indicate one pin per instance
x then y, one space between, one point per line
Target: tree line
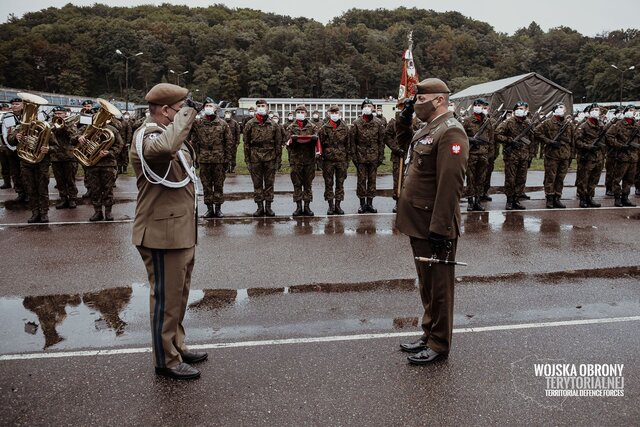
231 53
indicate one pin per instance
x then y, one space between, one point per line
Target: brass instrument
59 122
98 137
36 133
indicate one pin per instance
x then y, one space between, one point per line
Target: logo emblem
456 148
427 140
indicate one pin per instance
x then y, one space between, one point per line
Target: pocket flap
422 203
169 213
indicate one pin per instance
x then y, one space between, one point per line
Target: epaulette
451 123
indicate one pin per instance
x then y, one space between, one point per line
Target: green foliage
231 53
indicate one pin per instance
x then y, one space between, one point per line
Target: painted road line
288 341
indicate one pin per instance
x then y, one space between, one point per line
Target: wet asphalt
73 286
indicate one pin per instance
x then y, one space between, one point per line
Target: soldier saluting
429 212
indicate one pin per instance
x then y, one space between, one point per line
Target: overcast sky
589 17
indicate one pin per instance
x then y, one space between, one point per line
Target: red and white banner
409 77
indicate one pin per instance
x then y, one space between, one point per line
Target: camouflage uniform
334 138
590 158
263 149
302 159
213 143
624 169
367 152
126 132
479 150
397 153
516 156
557 156
12 161
234 127
492 155
63 162
102 176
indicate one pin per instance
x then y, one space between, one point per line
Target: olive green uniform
556 136
334 138
479 149
367 152
516 155
302 159
622 133
590 157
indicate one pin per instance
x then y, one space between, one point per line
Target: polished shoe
217 212
107 213
477 207
584 202
44 217
523 197
626 202
339 210
413 347
267 209
181 372
192 357
426 357
369 205
549 204
332 208
509 205
210 212
618 202
516 205
307 209
298 211
363 206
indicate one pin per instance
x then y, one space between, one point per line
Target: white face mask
379 113
315 116
335 117
252 113
366 111
629 114
271 116
477 109
299 116
262 111
485 111
594 114
227 116
520 113
209 111
290 117
559 112
451 108
147 114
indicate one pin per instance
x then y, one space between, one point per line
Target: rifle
521 136
483 127
602 134
628 143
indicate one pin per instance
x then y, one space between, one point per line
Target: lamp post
633 67
126 76
178 75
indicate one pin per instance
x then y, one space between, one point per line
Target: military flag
409 77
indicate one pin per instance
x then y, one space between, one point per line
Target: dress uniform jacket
165 217
429 200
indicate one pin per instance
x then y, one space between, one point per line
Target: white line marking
214 346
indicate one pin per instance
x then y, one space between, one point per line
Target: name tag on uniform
427 140
9 121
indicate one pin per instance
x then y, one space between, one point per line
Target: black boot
298 211
97 216
267 209
339 210
369 205
260 210
35 217
22 198
591 203
332 209
62 204
107 213
72 203
517 206
625 201
87 195
637 190
307 210
523 197
469 204
395 208
485 198
584 202
7 184
557 203
44 217
476 205
609 193
363 206
209 213
509 205
550 201
618 202
218 213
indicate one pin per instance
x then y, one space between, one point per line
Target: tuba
98 136
60 123
36 132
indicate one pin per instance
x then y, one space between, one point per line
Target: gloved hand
399 152
556 145
189 102
406 115
438 243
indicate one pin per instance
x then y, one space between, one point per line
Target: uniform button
171 214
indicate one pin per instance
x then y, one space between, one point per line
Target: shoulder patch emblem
456 149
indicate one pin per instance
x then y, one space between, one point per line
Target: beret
480 101
334 108
301 107
16 100
432 85
87 102
261 101
629 107
365 102
166 94
58 108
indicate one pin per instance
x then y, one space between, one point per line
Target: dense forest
230 53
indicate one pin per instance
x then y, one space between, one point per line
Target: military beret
301 107
334 108
58 108
520 104
252 108
315 112
432 85
559 104
629 107
166 94
365 102
480 101
16 100
261 101
87 102
209 100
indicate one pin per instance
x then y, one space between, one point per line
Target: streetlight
126 76
178 76
633 67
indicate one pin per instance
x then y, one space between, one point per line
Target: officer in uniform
397 152
429 211
63 162
234 127
516 154
262 152
624 139
334 137
164 228
213 142
367 152
478 123
10 121
557 138
303 148
590 156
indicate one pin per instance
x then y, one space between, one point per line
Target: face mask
559 112
227 116
289 117
366 111
379 113
209 111
485 111
477 109
252 113
629 114
125 117
520 113
335 117
262 111
315 116
299 116
451 108
424 110
594 114
271 116
147 114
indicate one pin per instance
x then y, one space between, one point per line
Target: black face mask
425 110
